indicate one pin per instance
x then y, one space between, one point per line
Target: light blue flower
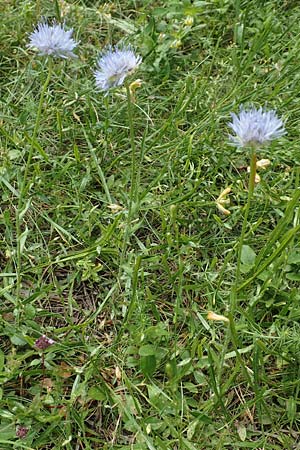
255 127
53 40
114 65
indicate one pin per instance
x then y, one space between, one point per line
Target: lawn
149 265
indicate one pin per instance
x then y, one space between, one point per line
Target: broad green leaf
30 311
148 365
96 393
18 340
294 258
247 258
242 431
248 255
147 350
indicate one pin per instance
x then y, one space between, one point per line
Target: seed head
43 342
114 65
52 40
255 127
21 432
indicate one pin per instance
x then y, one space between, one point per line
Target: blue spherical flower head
52 40
114 66
255 127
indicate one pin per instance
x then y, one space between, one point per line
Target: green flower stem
232 335
133 190
133 187
233 303
25 186
35 131
131 209
106 124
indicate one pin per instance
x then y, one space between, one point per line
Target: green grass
125 292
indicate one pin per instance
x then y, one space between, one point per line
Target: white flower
114 65
255 127
52 40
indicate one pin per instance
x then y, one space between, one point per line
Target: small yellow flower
176 43
217 317
135 85
189 21
222 201
223 210
64 7
223 194
263 163
115 208
257 177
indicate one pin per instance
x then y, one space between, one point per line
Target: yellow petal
189 21
115 208
213 316
135 85
222 209
263 163
224 193
257 177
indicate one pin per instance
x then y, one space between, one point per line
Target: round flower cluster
53 40
254 127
